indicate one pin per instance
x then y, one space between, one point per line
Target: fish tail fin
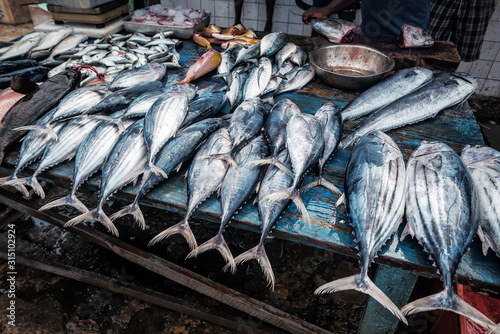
321 181
181 228
442 301
224 157
97 215
364 285
271 161
259 253
269 100
277 196
218 243
134 210
46 128
71 199
158 171
31 181
19 187
295 196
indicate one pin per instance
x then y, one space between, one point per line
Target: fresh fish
245 124
35 74
401 83
296 79
272 43
204 178
414 37
200 40
70 138
483 164
208 31
125 163
146 73
277 77
269 212
444 91
442 213
337 31
285 53
331 119
275 131
245 54
161 123
22 47
68 44
204 107
32 106
238 186
50 40
32 148
14 65
304 140
175 153
299 58
235 85
89 159
226 62
375 197
207 62
8 98
258 79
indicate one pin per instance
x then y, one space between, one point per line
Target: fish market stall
400 262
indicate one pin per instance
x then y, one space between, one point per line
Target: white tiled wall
487 68
287 18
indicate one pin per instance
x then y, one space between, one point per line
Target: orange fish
7 99
200 40
208 62
212 28
238 29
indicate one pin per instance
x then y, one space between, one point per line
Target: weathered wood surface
456 127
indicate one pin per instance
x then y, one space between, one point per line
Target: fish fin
31 181
364 285
271 161
485 242
301 206
277 196
259 253
182 228
19 187
269 100
341 200
158 171
134 210
441 301
408 230
224 157
218 243
321 181
71 199
30 127
51 133
97 215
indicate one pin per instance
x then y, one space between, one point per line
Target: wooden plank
138 292
170 270
398 285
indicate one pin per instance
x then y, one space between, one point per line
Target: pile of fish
267 68
61 50
235 35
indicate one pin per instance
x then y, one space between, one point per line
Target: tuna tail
71 199
441 301
47 128
259 253
182 228
364 285
117 121
18 187
31 181
150 168
218 243
271 161
134 210
224 157
97 215
321 181
294 195
348 141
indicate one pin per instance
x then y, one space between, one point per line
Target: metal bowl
350 67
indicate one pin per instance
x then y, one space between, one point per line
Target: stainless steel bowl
350 67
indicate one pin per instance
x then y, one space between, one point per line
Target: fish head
482 158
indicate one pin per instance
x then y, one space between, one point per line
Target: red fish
238 29
7 99
200 40
208 62
208 31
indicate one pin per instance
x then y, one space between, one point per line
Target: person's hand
314 13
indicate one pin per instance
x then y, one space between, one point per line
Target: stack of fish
235 35
62 49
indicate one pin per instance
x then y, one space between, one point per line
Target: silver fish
21 47
245 54
331 119
235 85
337 31
442 213
89 159
304 140
257 79
401 83
272 43
443 92
125 163
296 79
226 63
238 186
143 74
277 77
67 44
204 178
287 51
269 212
375 197
50 40
204 107
299 58
483 164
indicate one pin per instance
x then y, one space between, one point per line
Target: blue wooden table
400 262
